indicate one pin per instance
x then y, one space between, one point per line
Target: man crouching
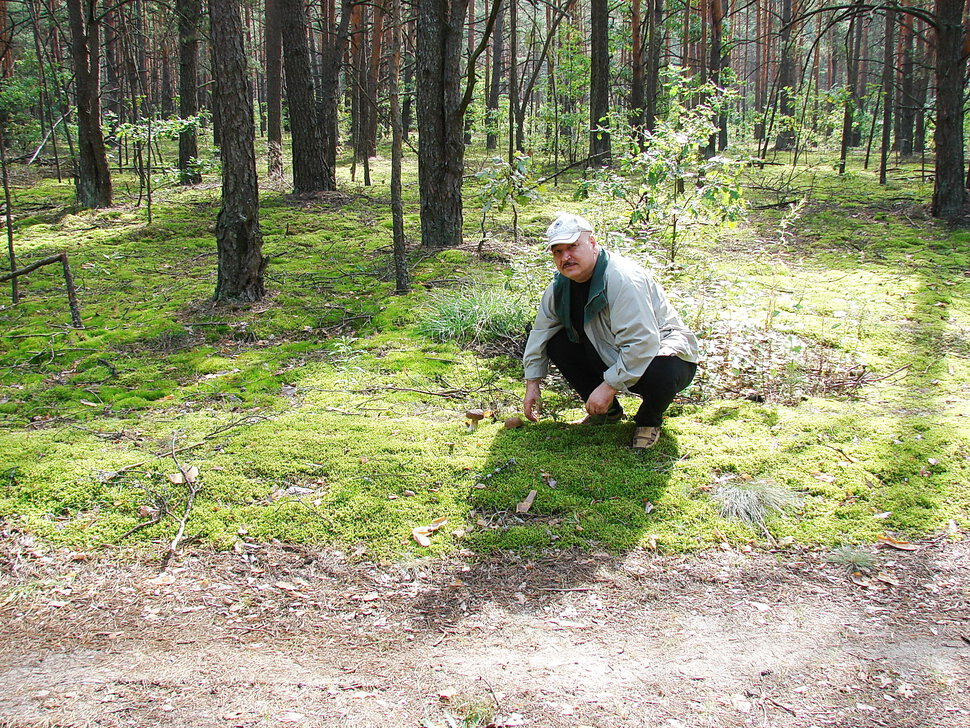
608 327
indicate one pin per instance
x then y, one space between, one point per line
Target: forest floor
275 636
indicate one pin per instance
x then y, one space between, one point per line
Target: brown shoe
645 438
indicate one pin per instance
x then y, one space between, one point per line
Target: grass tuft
754 501
477 315
853 559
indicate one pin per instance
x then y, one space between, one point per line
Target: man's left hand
600 400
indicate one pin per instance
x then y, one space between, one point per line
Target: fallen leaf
525 505
897 544
290 716
824 477
190 476
421 533
888 578
883 515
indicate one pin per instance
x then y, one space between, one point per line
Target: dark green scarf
594 304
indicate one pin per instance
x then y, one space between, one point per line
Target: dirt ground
278 636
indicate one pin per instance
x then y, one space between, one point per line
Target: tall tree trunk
274 89
331 53
714 65
491 103
887 95
786 78
441 144
599 83
949 193
442 103
310 172
92 179
637 86
238 237
906 101
470 33
189 13
654 48
401 277
515 136
853 41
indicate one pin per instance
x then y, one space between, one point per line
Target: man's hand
531 405
600 400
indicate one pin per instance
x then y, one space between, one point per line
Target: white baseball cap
566 228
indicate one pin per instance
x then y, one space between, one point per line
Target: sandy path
277 637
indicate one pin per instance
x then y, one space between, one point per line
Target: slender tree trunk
887 95
491 104
949 192
786 78
274 90
599 86
189 13
515 138
654 48
852 67
401 277
238 237
331 53
92 178
471 49
637 85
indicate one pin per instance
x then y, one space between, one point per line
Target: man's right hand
531 405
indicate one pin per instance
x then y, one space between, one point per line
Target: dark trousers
582 367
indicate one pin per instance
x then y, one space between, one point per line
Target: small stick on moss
190 480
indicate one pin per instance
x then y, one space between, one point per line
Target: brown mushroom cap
475 414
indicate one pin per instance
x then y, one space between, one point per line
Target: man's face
577 260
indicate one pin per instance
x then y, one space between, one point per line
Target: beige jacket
628 320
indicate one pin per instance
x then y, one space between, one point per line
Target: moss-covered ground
838 368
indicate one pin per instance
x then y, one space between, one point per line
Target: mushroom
474 417
512 422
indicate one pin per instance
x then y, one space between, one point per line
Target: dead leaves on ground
421 533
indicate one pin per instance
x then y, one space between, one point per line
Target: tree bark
92 179
887 95
189 13
441 144
310 170
274 90
491 103
238 237
441 103
599 83
949 193
786 78
401 277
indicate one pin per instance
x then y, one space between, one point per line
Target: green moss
320 415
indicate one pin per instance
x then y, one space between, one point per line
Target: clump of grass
476 315
754 501
853 559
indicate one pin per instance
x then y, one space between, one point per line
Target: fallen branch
185 448
68 280
189 479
